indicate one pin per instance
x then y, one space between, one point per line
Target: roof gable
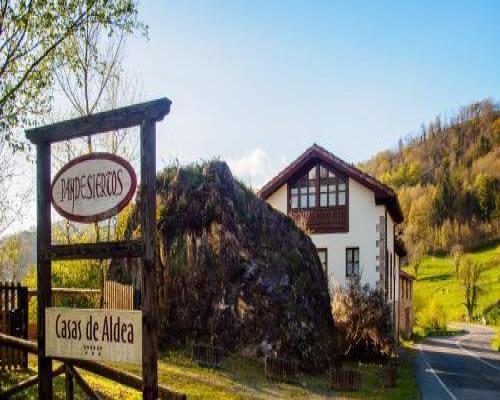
383 193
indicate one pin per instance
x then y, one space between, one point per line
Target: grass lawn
239 378
436 277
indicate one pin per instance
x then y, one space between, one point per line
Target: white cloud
255 168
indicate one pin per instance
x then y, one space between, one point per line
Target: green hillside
447 176
437 279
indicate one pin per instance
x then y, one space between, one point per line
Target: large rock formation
235 272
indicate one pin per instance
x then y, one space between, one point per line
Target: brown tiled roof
406 275
383 193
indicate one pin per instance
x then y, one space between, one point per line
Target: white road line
476 356
435 374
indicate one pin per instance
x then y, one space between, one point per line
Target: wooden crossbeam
68 382
97 251
106 121
70 291
124 378
81 382
18 343
6 394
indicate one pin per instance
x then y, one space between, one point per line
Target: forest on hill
447 177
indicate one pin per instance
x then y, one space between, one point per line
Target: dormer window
318 196
330 186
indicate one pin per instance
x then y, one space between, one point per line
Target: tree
417 257
484 187
31 35
91 79
14 193
469 274
13 258
445 195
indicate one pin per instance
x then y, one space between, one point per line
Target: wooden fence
344 379
207 355
14 322
118 296
281 369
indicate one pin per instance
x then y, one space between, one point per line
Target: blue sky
258 82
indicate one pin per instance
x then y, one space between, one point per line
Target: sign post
92 199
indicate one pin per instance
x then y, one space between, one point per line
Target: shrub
433 317
419 302
495 344
363 321
492 313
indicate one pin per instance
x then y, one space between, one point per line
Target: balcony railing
322 220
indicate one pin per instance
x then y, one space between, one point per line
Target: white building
351 216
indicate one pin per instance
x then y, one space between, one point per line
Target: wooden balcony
322 220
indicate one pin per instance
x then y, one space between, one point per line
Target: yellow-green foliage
406 175
83 274
433 316
495 344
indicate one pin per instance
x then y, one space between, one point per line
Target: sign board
95 335
93 187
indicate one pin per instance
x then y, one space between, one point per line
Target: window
341 191
303 192
377 243
323 257
319 187
312 188
327 188
352 261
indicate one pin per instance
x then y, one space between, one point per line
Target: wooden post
68 380
43 266
89 393
149 278
23 303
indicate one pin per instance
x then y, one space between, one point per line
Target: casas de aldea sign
96 335
93 187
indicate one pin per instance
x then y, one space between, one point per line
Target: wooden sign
96 335
93 187
91 199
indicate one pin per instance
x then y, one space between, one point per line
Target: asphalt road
460 367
